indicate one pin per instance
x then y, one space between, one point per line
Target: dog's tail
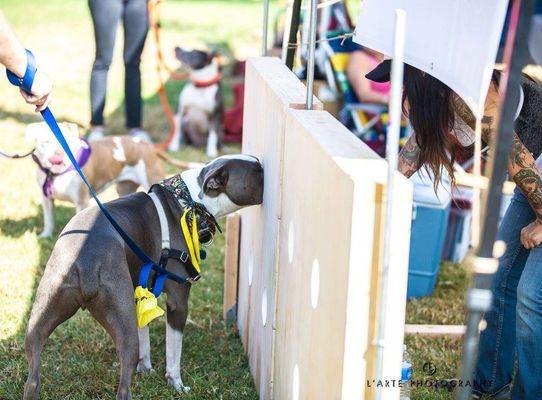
178 163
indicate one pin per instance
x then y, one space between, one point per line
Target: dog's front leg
176 319
48 217
215 134
81 198
212 143
175 143
144 365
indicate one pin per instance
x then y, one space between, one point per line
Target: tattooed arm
523 171
408 157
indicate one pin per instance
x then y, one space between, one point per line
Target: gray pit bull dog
92 268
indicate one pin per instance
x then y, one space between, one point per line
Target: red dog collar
210 82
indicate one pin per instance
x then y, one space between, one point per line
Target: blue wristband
27 80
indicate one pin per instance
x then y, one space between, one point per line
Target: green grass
445 306
79 361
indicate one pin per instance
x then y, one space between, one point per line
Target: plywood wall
309 256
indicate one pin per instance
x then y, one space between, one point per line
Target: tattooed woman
442 122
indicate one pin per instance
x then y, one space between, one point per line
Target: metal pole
392 148
265 26
479 297
312 48
292 34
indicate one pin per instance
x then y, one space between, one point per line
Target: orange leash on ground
161 67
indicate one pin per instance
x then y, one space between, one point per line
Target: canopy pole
312 47
479 296
392 148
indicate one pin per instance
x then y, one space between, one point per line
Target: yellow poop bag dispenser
147 308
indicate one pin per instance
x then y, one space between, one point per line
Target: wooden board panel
323 211
435 330
327 224
231 265
269 91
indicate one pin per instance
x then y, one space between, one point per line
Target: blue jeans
514 324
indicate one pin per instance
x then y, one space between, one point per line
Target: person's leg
527 383
495 367
136 25
105 16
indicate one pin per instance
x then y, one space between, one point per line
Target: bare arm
521 164
12 53
408 157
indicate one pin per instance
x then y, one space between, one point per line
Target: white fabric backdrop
456 41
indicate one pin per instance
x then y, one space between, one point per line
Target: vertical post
265 26
479 296
312 48
291 34
392 148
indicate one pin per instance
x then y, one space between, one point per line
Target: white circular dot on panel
315 283
250 270
295 383
291 241
264 307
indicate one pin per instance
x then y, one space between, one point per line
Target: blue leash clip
25 83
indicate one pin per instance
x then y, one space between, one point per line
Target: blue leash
25 83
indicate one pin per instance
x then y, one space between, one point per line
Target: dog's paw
175 145
45 235
144 369
212 153
178 385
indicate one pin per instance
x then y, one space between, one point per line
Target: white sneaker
140 134
95 133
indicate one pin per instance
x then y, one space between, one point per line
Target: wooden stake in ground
231 266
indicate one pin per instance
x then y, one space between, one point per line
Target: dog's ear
182 55
72 129
178 52
211 55
34 130
215 179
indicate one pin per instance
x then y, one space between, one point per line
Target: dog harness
148 290
81 157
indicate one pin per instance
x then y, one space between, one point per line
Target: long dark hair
429 105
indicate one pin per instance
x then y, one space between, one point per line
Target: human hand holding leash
19 63
41 93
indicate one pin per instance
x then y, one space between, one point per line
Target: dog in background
200 112
122 160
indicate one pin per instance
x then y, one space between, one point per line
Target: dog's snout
56 159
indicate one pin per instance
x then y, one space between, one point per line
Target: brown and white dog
122 160
91 267
198 121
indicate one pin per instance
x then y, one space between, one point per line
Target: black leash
17 156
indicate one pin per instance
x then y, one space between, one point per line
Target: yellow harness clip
191 238
147 307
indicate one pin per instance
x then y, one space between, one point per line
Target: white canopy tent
456 41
